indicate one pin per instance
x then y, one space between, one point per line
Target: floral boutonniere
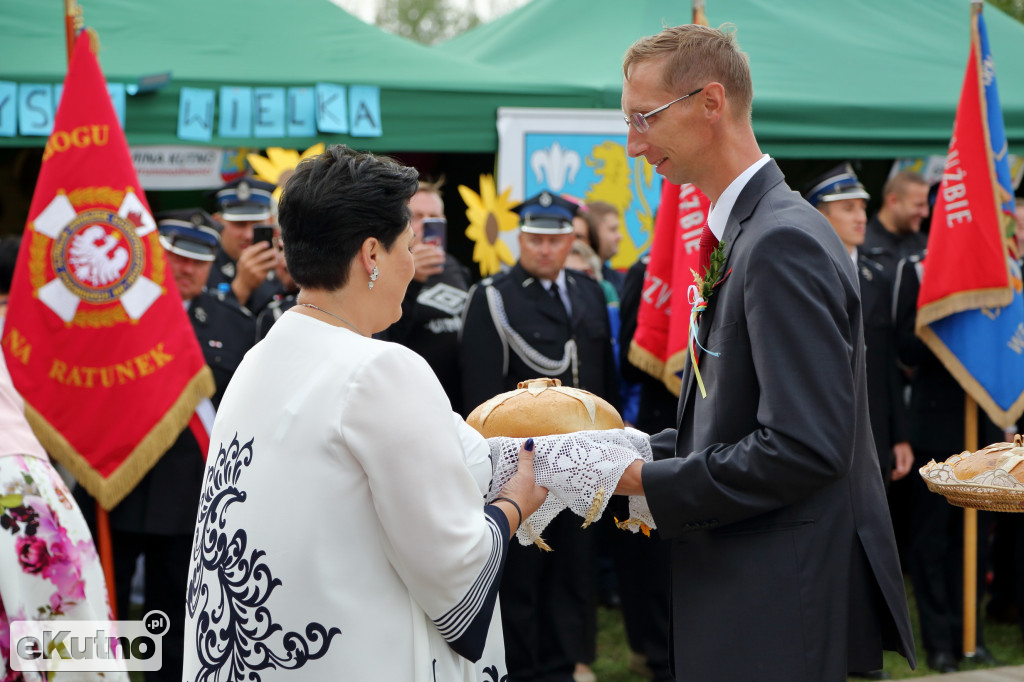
706 284
699 294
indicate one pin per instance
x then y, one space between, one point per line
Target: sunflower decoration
489 215
279 164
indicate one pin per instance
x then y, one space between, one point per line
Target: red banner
663 321
96 338
965 236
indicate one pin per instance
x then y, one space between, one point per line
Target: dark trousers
167 559
643 565
548 602
935 563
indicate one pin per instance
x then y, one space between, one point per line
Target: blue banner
593 167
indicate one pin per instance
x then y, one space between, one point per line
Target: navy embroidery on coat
234 626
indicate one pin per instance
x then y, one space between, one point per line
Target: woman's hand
522 488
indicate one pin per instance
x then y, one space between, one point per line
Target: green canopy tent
860 79
429 101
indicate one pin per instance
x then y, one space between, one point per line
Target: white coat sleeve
448 548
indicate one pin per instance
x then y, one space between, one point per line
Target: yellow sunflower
489 214
279 164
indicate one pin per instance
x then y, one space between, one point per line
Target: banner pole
71 15
970 537
106 550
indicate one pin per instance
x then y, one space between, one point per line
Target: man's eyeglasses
639 121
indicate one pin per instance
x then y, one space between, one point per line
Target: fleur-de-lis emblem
554 166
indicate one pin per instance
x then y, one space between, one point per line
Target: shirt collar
718 216
559 280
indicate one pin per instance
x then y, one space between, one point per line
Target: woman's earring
373 277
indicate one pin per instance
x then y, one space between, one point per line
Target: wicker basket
992 490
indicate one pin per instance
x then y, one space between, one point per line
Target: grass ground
612 665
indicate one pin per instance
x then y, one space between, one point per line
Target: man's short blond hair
898 183
433 187
698 55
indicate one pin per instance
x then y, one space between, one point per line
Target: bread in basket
991 478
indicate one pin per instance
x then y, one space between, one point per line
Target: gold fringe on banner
1000 417
645 360
674 368
110 491
957 303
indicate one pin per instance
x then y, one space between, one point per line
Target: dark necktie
555 293
708 243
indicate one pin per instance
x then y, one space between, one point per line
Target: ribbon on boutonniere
699 293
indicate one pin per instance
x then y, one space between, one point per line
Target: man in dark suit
784 563
539 319
841 198
157 518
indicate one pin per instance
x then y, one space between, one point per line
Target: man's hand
631 482
255 261
904 460
428 259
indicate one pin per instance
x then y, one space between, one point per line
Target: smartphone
263 233
435 231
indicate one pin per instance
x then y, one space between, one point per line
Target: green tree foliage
425 21
1015 8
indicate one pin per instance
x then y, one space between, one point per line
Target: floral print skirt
49 569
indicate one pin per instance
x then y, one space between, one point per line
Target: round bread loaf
1006 456
543 407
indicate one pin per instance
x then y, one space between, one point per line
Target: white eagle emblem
97 257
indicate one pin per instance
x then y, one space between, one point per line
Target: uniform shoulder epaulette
231 303
871 264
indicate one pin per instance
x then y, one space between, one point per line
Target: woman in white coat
342 532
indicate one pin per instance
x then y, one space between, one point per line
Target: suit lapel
763 180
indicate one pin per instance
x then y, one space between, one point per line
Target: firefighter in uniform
243 267
157 518
539 319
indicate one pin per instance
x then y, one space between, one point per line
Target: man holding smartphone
245 260
432 308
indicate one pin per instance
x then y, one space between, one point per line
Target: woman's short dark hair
336 201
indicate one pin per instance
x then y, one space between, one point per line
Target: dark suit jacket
540 320
889 419
784 561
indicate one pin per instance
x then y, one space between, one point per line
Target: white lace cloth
580 471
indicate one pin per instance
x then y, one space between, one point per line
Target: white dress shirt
718 216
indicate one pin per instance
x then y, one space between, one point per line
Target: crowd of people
342 340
